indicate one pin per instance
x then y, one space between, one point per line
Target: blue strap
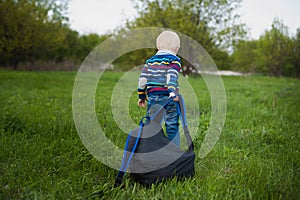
125 150
183 114
134 148
124 166
179 113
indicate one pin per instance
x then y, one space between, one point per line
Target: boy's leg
172 123
171 116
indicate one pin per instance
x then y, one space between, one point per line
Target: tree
274 53
296 49
244 56
211 23
88 43
275 47
205 19
30 30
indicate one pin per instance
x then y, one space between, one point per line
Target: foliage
30 30
36 30
274 53
296 57
211 23
276 48
42 157
243 57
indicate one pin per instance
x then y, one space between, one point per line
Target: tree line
275 53
35 32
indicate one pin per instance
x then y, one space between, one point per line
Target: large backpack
151 157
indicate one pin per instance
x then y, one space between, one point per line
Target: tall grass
42 157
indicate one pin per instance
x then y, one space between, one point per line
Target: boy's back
159 81
160 73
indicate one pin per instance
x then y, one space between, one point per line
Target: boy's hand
176 98
142 103
172 94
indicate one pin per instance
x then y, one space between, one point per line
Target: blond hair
168 40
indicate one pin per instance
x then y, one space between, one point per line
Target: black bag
151 157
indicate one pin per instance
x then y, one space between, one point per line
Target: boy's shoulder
163 58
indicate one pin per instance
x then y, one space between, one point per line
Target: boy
159 81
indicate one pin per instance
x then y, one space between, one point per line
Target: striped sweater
159 75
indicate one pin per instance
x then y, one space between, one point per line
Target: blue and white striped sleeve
172 76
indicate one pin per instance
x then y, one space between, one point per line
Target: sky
103 16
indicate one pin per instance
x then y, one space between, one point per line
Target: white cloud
99 16
259 14
102 16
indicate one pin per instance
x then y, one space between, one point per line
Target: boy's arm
142 92
172 78
142 88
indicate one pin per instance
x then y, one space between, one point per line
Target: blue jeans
171 117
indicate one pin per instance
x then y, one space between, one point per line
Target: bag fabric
151 157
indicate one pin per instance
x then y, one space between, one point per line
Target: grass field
42 156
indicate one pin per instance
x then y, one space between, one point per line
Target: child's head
168 40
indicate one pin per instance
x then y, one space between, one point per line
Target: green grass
42 156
